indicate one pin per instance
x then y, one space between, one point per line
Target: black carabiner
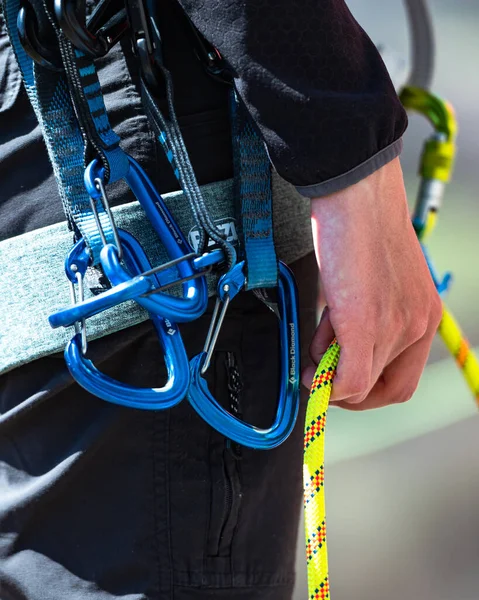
97 37
208 55
28 34
146 41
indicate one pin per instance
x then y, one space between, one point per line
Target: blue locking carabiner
107 388
195 293
287 410
76 263
133 289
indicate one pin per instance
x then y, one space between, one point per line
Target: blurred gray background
402 484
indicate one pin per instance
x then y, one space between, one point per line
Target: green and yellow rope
436 165
458 346
313 475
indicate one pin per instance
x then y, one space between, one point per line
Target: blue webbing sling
71 112
49 95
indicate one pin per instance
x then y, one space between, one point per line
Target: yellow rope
313 465
458 346
313 475
452 334
436 165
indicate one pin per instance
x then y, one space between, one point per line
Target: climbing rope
313 475
458 346
449 329
435 170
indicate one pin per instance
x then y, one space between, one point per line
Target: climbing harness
56 50
100 245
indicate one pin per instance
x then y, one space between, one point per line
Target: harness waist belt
34 284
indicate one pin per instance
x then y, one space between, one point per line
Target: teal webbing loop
49 95
89 103
254 192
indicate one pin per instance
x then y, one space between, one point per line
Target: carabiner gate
176 360
195 293
205 404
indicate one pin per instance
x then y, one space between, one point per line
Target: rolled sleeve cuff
341 182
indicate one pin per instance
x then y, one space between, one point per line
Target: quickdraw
176 360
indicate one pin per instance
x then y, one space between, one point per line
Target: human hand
382 305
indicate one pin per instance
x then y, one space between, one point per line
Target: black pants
99 502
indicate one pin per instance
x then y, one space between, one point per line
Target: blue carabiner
133 289
288 404
195 293
107 388
77 261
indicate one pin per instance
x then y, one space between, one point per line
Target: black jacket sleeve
313 82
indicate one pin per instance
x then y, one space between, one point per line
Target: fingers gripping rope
313 475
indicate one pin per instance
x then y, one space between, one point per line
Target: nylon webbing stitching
254 192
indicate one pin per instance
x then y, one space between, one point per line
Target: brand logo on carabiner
226 226
170 330
292 354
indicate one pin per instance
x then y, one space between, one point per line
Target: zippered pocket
225 461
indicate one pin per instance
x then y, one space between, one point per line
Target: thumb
322 338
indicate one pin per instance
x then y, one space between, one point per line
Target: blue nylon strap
87 92
49 95
254 192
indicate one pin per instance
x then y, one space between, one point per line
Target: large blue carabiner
287 410
195 293
107 388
